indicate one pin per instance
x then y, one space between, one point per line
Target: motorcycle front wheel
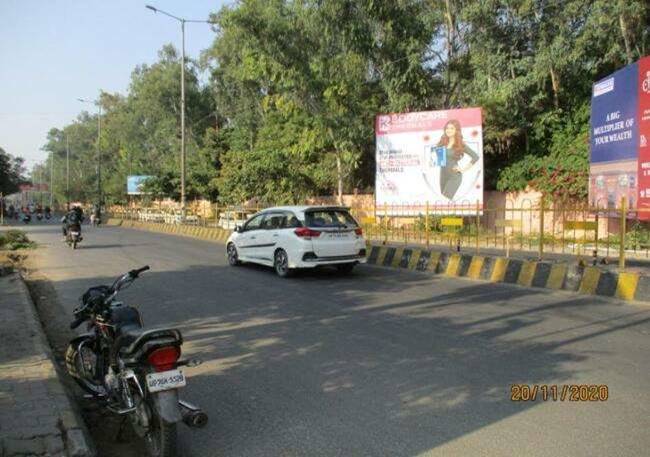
74 361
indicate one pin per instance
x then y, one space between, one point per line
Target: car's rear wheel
345 268
281 264
233 257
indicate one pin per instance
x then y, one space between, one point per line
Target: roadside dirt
103 426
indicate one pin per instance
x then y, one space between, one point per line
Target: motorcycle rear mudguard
166 404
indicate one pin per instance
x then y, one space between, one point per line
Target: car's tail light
358 231
306 233
165 358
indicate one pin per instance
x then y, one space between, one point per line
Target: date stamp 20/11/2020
557 392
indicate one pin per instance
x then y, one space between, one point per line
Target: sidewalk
36 416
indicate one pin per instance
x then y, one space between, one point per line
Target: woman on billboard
451 173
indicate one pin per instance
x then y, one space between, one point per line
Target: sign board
433 157
451 222
580 225
620 129
134 184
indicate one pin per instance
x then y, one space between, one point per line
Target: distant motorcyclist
72 220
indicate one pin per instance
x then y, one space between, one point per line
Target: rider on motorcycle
72 220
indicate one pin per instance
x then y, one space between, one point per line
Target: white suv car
290 237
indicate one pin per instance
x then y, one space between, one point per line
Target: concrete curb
75 439
214 234
529 273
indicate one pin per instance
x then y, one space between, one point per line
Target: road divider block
528 273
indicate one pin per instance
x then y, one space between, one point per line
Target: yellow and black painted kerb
529 273
557 276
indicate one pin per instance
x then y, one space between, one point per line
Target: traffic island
628 286
571 277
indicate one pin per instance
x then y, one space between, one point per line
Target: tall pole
182 21
183 120
67 173
51 180
99 156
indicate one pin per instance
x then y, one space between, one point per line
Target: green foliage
15 239
11 172
563 172
294 87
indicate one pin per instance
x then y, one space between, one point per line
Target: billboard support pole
541 227
426 224
478 225
621 249
385 222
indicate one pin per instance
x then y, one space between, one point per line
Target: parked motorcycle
27 218
73 237
133 372
39 216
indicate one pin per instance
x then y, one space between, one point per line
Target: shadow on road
350 364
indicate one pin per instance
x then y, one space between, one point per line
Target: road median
573 277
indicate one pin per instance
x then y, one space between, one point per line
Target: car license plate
172 379
338 235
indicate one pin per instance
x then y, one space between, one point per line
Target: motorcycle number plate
172 379
74 233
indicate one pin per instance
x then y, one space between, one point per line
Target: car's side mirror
238 228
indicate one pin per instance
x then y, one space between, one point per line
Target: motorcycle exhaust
192 415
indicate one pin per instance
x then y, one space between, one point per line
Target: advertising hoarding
620 126
134 184
430 157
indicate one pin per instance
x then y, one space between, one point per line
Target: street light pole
51 179
182 21
99 152
183 119
67 173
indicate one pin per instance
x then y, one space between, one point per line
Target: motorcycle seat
133 338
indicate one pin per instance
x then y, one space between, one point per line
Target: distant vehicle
292 237
228 220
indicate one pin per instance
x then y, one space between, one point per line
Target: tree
11 172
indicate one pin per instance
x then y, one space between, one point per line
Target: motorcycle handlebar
136 273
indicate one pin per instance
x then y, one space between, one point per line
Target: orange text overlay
559 392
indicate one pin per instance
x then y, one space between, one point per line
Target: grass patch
13 240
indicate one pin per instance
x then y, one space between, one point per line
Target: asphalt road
379 363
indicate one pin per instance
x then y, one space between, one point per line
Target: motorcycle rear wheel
161 440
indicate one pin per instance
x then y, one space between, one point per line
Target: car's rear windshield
330 218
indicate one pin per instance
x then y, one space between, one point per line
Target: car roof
303 208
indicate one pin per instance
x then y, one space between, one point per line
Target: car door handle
252 237
275 235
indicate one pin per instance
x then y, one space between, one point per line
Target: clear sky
55 51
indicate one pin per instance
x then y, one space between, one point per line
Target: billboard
433 157
134 184
620 126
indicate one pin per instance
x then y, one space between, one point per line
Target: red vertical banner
643 119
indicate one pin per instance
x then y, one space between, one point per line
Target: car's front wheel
233 257
281 264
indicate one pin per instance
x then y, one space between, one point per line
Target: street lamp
182 21
99 153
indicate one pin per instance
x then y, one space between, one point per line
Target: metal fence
540 228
